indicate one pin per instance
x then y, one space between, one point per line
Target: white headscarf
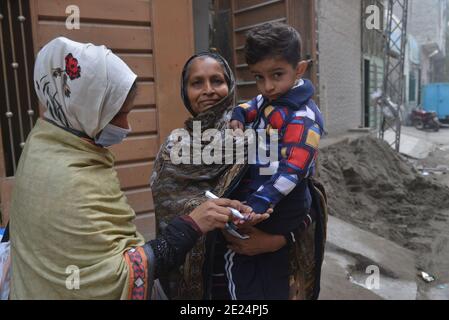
82 86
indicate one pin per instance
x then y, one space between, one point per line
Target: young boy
273 54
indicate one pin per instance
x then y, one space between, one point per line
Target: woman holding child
278 261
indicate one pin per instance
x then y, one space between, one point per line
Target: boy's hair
272 40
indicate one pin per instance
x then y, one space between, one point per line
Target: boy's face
275 76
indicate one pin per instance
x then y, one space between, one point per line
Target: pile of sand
372 187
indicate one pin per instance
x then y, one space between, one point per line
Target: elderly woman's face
206 84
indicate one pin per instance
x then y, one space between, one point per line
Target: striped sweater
299 126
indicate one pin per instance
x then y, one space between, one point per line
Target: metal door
443 100
18 103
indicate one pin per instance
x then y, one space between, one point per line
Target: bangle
290 238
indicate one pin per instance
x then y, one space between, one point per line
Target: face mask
111 135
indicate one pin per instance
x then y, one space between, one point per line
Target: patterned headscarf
81 86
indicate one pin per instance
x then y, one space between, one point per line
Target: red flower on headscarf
72 68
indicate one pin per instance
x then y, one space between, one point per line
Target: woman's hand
215 214
258 243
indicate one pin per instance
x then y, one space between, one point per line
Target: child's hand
259 242
235 125
252 219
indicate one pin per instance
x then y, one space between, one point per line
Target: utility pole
394 57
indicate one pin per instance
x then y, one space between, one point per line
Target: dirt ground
371 186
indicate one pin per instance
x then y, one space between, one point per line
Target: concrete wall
339 24
428 24
427 21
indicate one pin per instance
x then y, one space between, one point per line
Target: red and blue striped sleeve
299 150
246 113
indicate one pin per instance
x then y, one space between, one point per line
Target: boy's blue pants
261 277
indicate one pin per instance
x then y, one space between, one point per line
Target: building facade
428 24
340 55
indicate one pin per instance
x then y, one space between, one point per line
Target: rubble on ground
374 188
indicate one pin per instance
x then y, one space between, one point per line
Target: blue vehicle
436 98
